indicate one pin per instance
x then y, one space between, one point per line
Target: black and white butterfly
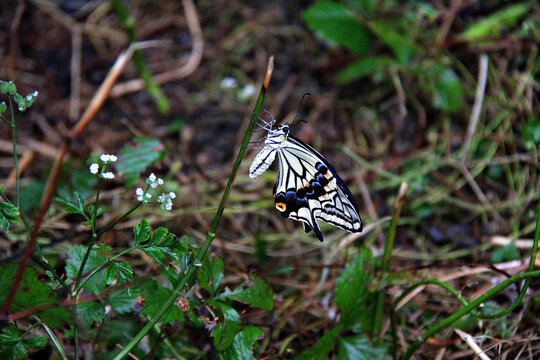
307 187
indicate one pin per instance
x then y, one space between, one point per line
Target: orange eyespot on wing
280 206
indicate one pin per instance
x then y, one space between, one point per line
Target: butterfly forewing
308 189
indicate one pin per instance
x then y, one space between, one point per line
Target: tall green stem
15 157
212 233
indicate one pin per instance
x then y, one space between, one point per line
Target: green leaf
135 159
141 232
14 346
506 253
242 345
259 294
360 348
97 283
363 67
9 215
3 107
31 196
154 301
75 207
336 24
402 47
447 92
163 247
352 288
123 301
31 292
491 26
323 346
225 331
57 317
210 274
530 132
89 312
122 270
8 88
158 236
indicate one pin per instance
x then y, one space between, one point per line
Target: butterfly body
307 188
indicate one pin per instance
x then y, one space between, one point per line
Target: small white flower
152 177
228 82
94 168
113 158
148 196
172 195
246 92
160 181
35 94
168 206
108 175
139 192
104 157
162 198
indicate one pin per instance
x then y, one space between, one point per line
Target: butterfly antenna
299 107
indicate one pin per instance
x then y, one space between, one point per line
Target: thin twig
478 100
185 70
74 99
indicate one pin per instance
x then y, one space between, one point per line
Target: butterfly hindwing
308 189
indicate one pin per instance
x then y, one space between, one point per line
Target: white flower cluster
154 181
108 158
141 195
166 200
105 159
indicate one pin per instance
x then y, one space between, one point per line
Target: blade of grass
387 255
162 103
212 233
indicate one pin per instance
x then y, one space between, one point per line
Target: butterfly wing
308 189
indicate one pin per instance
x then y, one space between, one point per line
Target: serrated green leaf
155 300
360 348
492 25
135 159
242 346
402 47
122 270
14 346
323 346
97 283
210 275
89 312
352 288
259 294
141 232
9 215
336 24
363 67
225 330
123 301
158 236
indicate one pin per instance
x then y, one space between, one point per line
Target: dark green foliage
258 294
9 215
135 159
14 345
96 283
